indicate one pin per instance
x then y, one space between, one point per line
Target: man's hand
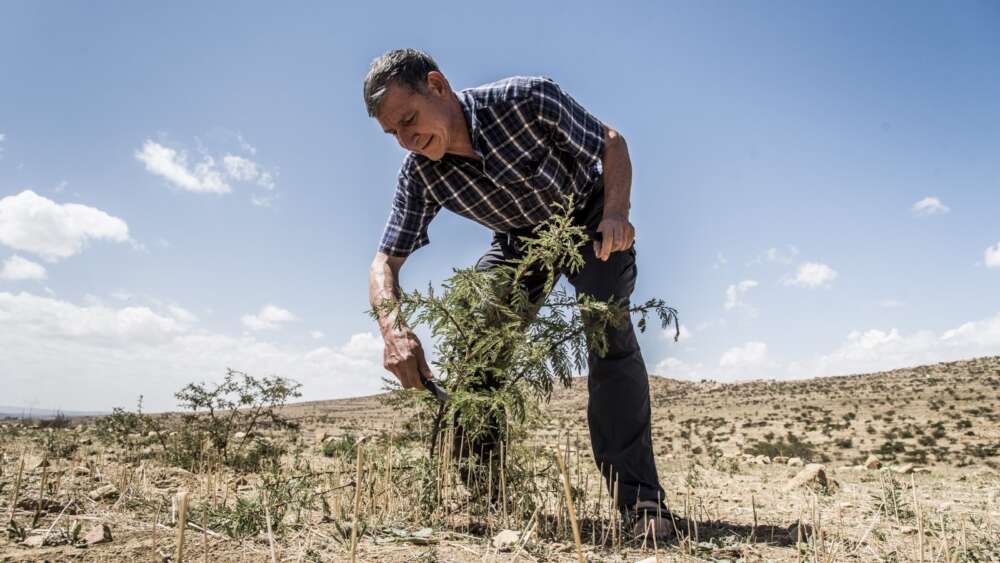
617 234
404 357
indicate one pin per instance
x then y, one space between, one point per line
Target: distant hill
29 412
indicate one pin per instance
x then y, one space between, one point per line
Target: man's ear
437 83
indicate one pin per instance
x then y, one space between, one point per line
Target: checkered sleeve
573 129
412 211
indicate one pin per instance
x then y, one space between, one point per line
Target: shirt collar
468 103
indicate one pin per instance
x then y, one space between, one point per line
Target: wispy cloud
811 275
734 296
270 317
172 165
784 255
747 356
929 206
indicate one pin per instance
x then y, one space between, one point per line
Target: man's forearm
617 175
383 284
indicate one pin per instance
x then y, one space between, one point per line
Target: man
502 155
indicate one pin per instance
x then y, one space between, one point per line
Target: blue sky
192 186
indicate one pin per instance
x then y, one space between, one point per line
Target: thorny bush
498 354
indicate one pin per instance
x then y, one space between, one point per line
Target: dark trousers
618 409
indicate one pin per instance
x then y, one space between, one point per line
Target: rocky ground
894 466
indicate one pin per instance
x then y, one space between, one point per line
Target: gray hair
405 67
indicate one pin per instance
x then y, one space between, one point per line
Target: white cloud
876 349
675 368
182 314
891 304
63 355
316 334
17 268
51 319
749 355
172 165
991 256
241 169
812 274
779 255
929 206
735 293
270 317
32 223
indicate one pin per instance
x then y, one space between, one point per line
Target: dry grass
944 419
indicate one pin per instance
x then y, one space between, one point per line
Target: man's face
420 121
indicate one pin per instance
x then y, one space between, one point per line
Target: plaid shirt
537 145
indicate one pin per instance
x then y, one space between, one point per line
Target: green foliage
344 446
282 493
222 426
498 353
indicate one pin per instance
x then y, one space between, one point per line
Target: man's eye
409 120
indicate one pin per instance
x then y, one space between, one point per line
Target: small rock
239 436
921 469
795 462
779 460
100 493
321 435
151 434
34 541
762 460
813 474
904 469
506 539
872 463
81 471
33 462
100 533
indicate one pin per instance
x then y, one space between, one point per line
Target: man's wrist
615 214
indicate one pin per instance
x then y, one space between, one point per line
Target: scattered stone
921 469
506 539
100 533
105 492
813 474
152 434
795 462
321 436
33 462
45 539
34 541
872 463
762 460
904 469
81 471
779 460
239 436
